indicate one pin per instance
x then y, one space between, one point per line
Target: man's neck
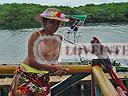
47 32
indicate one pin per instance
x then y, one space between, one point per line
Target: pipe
104 84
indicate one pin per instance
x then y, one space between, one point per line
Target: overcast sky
62 2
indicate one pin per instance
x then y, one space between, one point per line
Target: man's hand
120 92
59 70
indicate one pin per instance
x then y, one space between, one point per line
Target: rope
75 24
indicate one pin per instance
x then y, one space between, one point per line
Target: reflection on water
13 44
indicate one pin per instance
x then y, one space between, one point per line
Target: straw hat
52 13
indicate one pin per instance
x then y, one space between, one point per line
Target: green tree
19 16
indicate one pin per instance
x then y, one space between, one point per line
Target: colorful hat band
53 14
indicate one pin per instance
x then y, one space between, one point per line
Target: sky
62 2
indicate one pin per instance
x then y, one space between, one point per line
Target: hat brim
63 20
39 18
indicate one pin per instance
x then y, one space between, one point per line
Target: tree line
19 16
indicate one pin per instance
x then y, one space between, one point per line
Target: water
13 44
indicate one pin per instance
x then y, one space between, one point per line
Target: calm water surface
13 44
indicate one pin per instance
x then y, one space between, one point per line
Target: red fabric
32 84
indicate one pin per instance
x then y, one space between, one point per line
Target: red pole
117 80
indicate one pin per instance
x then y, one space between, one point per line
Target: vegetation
19 16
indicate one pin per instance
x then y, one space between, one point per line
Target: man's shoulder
34 36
